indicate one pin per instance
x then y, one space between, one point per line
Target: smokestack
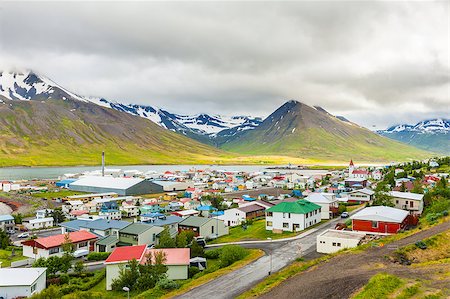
103 163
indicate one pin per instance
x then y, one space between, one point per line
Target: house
361 196
7 223
412 202
138 234
103 227
163 221
328 203
332 240
110 211
150 207
359 174
168 186
205 227
186 213
377 175
44 213
380 220
118 259
356 183
129 210
72 205
22 282
292 216
52 246
38 223
408 186
177 261
107 244
174 206
246 211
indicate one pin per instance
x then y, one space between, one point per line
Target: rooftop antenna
103 163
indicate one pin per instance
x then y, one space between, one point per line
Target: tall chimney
103 163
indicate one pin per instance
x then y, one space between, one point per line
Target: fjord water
29 173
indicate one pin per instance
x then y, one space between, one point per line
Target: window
33 288
269 223
411 204
53 250
154 237
375 224
269 214
83 244
334 243
212 229
306 216
396 201
338 244
285 225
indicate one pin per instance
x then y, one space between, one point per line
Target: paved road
39 234
283 253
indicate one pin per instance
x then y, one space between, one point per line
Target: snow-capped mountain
438 125
432 134
28 85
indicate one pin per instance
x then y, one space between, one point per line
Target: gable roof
381 213
251 208
407 195
126 253
74 224
174 256
20 276
103 224
112 239
195 221
6 217
106 182
364 190
171 219
319 198
301 206
135 228
58 240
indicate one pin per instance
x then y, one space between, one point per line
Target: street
283 253
40 234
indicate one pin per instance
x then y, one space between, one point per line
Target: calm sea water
29 173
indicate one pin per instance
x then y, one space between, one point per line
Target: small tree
181 240
197 250
78 267
58 215
403 187
165 240
127 276
18 218
4 239
67 245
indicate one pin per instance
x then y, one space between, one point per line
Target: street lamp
270 269
127 289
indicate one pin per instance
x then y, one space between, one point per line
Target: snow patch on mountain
431 126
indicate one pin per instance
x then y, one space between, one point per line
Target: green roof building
139 234
292 216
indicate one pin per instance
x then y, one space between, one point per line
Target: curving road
282 252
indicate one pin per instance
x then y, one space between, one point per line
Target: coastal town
91 226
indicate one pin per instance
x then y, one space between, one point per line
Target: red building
380 219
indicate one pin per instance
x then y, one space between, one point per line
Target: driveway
282 253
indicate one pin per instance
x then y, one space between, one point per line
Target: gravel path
345 274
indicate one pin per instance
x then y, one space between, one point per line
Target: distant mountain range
39 115
432 135
211 129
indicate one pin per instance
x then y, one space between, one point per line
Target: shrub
51 291
167 284
213 254
64 278
421 245
230 254
193 271
98 256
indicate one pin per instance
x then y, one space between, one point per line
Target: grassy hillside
75 133
438 142
298 130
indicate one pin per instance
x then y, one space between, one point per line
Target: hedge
98 256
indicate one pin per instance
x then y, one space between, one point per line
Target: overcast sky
376 63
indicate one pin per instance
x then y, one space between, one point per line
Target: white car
23 235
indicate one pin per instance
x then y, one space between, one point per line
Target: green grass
255 231
5 257
380 286
55 194
409 292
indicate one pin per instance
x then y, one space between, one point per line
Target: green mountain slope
298 130
72 132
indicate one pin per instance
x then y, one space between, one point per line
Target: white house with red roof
52 246
177 261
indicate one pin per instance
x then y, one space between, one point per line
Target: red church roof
351 163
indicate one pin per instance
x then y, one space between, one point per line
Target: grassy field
380 286
255 231
6 259
55 194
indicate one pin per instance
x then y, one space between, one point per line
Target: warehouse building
121 186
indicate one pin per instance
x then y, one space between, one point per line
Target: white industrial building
38 223
332 240
21 282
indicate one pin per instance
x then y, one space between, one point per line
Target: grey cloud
352 58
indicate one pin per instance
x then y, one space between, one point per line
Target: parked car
200 241
23 235
345 215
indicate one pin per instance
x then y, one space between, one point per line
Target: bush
193 271
64 278
230 254
421 245
98 256
213 254
167 284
